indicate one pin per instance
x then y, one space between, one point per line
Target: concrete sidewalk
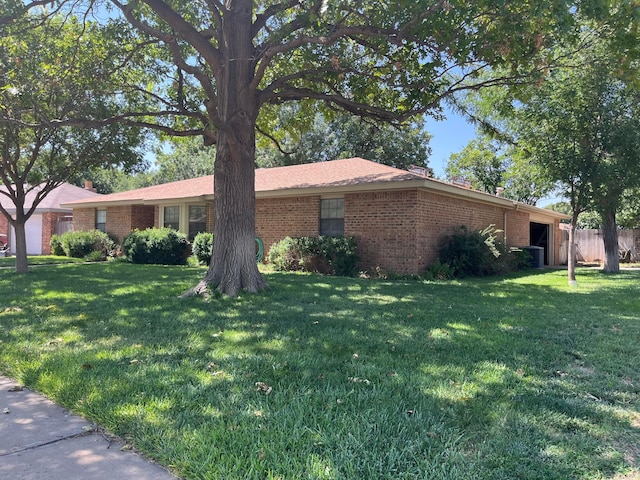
40 440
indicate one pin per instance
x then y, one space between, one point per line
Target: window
197 220
171 218
332 217
101 219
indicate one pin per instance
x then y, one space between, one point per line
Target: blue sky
452 135
448 136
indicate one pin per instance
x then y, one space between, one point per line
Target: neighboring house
396 216
48 218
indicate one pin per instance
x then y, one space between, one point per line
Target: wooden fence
590 247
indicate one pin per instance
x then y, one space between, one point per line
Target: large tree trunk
610 238
233 263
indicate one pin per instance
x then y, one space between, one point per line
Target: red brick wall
210 217
121 220
385 225
399 231
84 219
49 221
440 214
142 216
518 229
4 227
277 218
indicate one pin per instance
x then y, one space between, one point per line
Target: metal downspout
504 228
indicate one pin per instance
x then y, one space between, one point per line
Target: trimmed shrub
285 255
203 247
56 245
163 246
328 255
82 244
472 253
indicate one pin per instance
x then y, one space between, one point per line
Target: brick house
396 216
48 218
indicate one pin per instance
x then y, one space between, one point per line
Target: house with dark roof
48 218
396 216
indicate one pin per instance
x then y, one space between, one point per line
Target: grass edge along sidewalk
509 377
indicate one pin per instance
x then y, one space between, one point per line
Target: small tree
51 72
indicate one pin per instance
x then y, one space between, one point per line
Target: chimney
88 185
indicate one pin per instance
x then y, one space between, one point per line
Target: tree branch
274 140
186 31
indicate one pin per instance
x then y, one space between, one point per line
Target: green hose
260 252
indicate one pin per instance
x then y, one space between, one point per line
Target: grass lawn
516 377
39 260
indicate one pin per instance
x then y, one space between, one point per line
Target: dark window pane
101 220
332 217
197 220
331 227
172 217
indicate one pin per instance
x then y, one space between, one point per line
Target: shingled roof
336 173
335 176
63 194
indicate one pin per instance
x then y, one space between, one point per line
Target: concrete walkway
40 440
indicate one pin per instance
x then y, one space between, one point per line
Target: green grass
517 377
39 260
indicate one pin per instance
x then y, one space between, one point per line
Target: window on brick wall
332 217
197 220
101 219
171 217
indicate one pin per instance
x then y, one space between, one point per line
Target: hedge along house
397 217
48 218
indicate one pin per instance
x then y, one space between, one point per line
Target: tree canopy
49 73
220 69
346 136
581 126
228 65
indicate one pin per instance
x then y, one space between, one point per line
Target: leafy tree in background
188 158
580 126
110 180
51 70
236 61
629 212
481 163
488 164
583 126
347 136
12 11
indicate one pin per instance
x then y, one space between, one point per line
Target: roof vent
424 171
461 182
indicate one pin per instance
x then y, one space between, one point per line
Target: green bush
328 255
285 255
203 247
520 259
439 271
56 246
163 246
472 253
82 244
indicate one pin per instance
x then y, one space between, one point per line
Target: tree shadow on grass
491 378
